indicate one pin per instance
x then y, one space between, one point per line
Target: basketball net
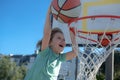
95 51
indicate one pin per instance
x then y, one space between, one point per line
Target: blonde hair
54 31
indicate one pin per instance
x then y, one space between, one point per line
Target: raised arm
72 54
47 31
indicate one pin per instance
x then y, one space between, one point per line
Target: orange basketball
105 41
65 10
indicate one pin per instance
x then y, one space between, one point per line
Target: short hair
53 32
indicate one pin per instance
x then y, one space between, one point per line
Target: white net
91 59
93 52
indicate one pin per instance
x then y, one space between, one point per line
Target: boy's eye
63 39
59 38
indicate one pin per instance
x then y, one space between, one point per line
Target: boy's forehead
58 34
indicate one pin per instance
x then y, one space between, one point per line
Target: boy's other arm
47 31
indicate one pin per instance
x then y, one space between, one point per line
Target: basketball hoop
95 49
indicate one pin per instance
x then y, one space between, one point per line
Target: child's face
58 42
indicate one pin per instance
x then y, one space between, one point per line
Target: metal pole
76 68
109 67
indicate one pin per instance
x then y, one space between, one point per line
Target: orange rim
99 32
96 16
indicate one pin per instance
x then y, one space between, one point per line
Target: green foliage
10 71
117 58
117 76
100 77
116 67
23 70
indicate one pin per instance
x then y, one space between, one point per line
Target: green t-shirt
46 66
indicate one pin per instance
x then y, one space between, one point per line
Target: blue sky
21 25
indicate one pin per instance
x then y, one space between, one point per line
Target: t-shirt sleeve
63 57
44 52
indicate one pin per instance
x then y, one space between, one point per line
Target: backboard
90 8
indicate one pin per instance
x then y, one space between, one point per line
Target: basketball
65 10
106 40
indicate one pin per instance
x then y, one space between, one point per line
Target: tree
100 77
10 71
117 65
23 70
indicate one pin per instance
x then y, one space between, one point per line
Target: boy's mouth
61 46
